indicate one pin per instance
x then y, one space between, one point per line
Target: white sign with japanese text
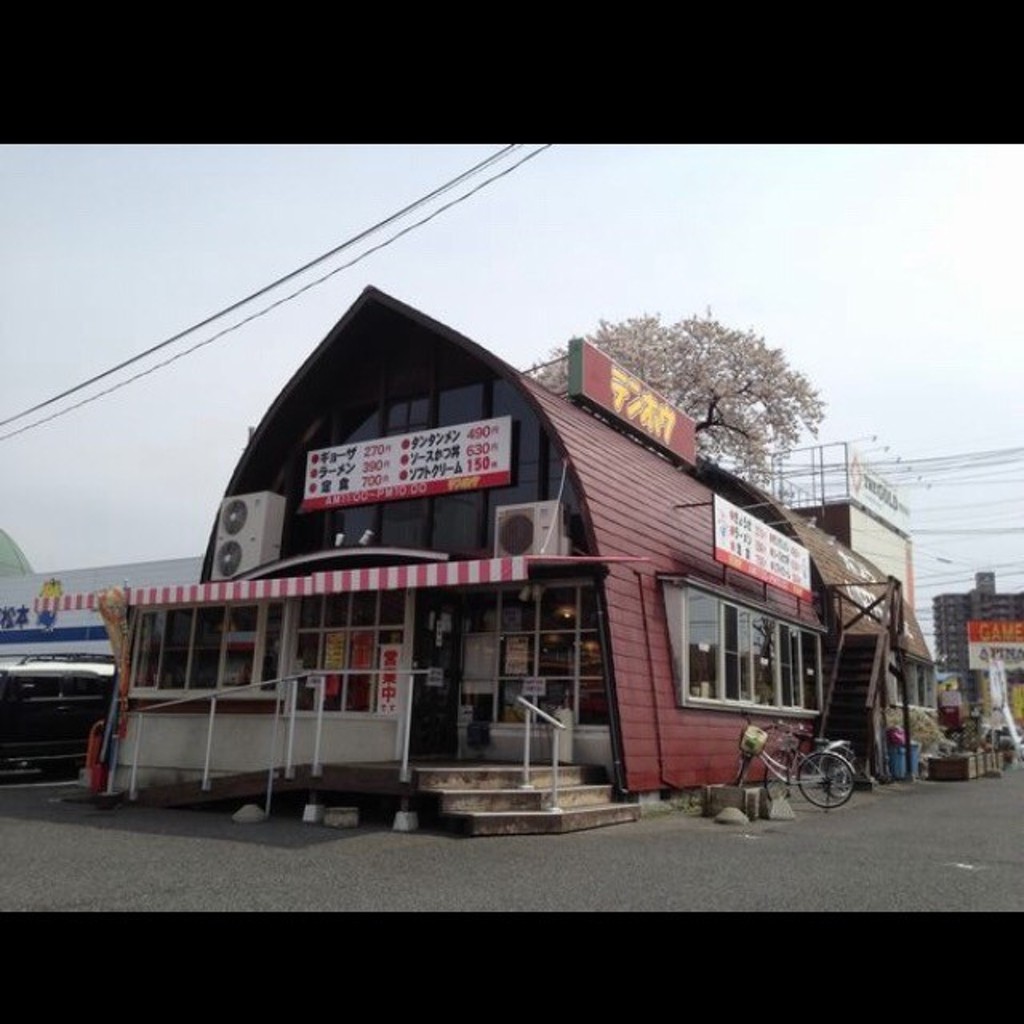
756 549
464 457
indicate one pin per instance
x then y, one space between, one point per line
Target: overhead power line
447 187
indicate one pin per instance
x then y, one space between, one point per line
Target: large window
346 639
206 647
539 641
726 652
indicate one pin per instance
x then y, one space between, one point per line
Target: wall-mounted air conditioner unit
249 528
535 528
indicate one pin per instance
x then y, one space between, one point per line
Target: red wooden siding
630 500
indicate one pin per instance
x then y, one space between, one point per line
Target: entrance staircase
470 799
503 800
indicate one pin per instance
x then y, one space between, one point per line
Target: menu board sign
464 457
756 549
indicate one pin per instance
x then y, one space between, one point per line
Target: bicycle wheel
825 779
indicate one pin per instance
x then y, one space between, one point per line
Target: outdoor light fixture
366 538
339 539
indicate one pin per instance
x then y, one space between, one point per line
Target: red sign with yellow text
995 631
995 640
596 379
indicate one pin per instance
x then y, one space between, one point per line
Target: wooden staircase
498 801
869 651
849 715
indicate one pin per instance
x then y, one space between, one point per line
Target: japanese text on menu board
464 457
754 548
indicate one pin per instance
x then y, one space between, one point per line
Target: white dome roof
12 561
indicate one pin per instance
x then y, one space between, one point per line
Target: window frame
740 658
151 652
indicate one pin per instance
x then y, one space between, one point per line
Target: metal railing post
403 774
209 745
554 770
133 793
273 745
289 769
317 770
526 784
556 728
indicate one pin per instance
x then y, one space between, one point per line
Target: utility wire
448 186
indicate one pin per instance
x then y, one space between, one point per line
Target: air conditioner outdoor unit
535 528
249 528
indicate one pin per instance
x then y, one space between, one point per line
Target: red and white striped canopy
393 577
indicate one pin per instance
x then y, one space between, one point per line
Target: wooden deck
381 779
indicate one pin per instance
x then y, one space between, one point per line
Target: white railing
535 712
286 690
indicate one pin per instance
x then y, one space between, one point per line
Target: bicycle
823 776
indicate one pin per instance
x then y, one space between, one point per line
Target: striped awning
392 577
430 574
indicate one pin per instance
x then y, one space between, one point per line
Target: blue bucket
898 760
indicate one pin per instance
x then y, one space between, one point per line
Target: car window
84 686
39 687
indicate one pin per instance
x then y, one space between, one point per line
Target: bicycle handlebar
795 727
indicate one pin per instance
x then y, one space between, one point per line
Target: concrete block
779 809
341 817
406 821
313 813
743 798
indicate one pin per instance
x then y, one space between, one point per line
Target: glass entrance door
437 649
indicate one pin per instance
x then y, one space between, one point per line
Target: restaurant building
418 539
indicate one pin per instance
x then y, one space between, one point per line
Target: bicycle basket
753 740
789 742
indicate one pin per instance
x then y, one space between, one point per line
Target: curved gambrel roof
375 321
374 324
638 503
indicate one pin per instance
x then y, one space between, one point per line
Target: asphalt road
907 847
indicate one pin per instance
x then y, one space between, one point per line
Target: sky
887 274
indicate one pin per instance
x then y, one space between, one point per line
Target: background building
26 629
953 612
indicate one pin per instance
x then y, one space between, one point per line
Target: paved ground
910 846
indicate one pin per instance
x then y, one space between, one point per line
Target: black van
48 706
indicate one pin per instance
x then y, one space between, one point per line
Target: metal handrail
289 683
212 696
557 727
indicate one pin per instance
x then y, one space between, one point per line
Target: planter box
953 769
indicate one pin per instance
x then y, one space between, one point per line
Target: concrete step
491 800
519 823
504 776
461 801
